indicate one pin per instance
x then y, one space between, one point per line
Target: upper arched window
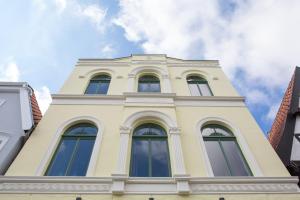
150 153
148 83
73 153
224 154
98 85
198 86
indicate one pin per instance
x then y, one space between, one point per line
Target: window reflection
224 154
150 154
74 151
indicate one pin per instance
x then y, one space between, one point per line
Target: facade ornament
131 75
125 130
174 130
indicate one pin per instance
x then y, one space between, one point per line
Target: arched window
225 156
73 153
198 86
149 83
98 85
150 153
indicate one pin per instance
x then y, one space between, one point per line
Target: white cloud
257 39
272 112
94 13
40 4
43 97
9 72
60 5
107 51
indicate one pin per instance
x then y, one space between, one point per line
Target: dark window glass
140 158
150 154
98 85
198 86
149 83
74 151
61 160
235 159
159 158
81 158
223 151
216 158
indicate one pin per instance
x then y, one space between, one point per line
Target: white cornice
148 99
90 185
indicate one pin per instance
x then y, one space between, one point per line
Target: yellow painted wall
112 116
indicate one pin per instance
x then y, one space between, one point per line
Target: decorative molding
56 138
131 75
243 188
195 64
124 185
99 63
175 131
254 167
150 99
125 130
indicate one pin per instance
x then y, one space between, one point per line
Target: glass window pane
61 158
194 90
216 158
235 159
143 87
103 88
154 87
140 158
74 130
92 88
205 89
207 131
81 158
223 131
90 130
160 158
142 130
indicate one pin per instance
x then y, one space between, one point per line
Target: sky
256 41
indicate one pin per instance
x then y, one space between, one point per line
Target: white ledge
132 185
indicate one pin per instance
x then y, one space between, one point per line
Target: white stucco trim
56 138
163 76
254 167
174 136
98 70
104 185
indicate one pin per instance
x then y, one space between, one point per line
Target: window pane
205 89
92 88
103 88
236 161
143 87
74 130
216 158
142 130
194 90
62 158
81 158
154 87
160 158
140 158
90 130
208 131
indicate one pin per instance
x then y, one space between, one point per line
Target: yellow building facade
147 126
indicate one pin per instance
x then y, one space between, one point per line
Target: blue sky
257 42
